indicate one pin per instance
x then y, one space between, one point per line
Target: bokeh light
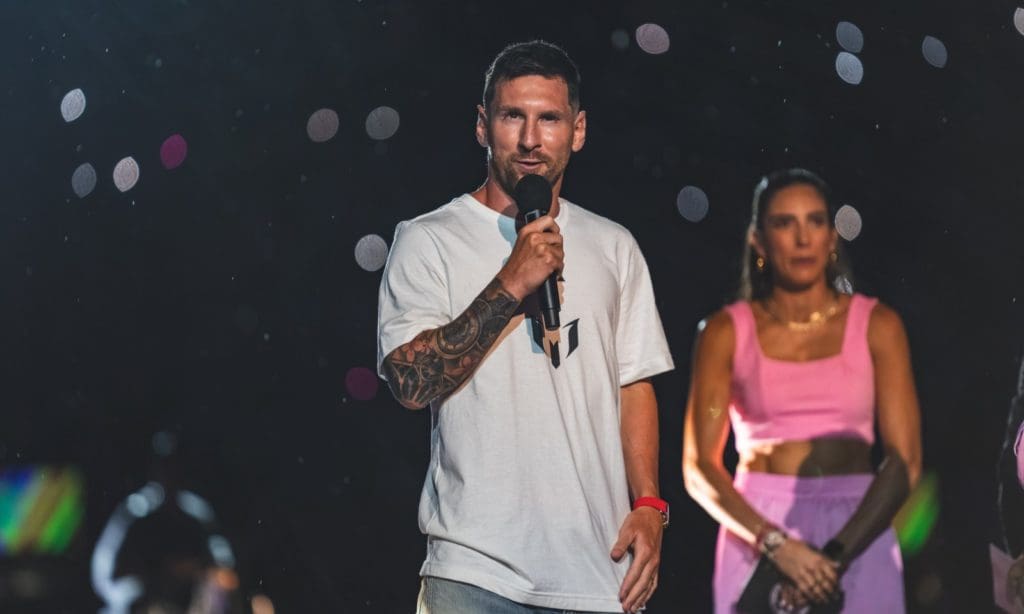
261 604
916 519
849 68
934 52
692 203
361 383
164 443
322 125
843 284
41 508
83 180
620 39
652 38
73 105
173 151
848 222
1018 20
382 123
371 252
849 37
126 174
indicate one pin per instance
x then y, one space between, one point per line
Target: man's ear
481 126
579 131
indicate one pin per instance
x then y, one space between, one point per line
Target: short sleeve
641 348
413 294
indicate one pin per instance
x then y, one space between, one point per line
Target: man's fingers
544 223
620 546
640 591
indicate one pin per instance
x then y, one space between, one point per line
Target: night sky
221 301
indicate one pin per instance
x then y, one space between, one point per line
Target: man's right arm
439 360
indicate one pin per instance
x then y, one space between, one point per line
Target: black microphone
533 197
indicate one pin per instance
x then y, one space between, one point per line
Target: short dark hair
757 284
534 57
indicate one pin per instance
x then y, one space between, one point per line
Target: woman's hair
757 284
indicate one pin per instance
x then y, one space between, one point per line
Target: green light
65 519
917 517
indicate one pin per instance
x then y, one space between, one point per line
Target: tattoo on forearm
438 361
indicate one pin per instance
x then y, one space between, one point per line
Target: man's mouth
529 164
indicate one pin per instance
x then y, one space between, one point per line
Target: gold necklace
815 320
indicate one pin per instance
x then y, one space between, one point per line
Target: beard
507 176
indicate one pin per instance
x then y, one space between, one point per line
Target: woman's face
797 238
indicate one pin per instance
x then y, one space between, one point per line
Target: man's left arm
642 529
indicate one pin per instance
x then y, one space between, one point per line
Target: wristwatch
659 504
771 541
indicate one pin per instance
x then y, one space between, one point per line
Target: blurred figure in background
162 552
1011 498
804 372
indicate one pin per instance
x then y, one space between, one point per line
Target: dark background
221 300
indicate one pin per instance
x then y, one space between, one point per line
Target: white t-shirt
526 488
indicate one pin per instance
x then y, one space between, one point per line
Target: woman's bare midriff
816 457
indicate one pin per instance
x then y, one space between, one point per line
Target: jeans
440 596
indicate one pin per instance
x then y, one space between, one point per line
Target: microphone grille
533 192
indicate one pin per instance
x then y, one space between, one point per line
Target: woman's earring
760 264
834 257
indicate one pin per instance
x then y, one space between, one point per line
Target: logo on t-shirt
549 342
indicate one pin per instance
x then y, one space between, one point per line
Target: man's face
530 128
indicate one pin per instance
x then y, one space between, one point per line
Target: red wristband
659 504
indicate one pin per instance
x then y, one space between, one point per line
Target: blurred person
803 373
1011 494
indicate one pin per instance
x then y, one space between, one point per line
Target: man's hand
641 532
537 254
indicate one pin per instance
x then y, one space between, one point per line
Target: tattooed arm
437 361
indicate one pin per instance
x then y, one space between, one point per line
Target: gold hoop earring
760 264
835 257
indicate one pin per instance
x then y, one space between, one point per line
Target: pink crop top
780 400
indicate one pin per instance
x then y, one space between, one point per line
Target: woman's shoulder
885 326
880 314
718 330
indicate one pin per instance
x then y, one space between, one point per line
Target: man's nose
529 136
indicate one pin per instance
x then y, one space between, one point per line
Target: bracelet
659 504
769 538
762 530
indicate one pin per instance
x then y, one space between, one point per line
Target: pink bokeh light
361 383
173 151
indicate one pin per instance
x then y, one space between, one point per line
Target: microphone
533 197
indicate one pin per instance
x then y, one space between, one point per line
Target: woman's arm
899 423
705 476
707 430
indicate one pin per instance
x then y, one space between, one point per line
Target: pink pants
813 510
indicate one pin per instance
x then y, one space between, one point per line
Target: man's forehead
508 92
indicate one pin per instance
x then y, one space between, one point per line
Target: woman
803 372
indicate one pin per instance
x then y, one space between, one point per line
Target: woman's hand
814 574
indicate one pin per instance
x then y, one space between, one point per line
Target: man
534 458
